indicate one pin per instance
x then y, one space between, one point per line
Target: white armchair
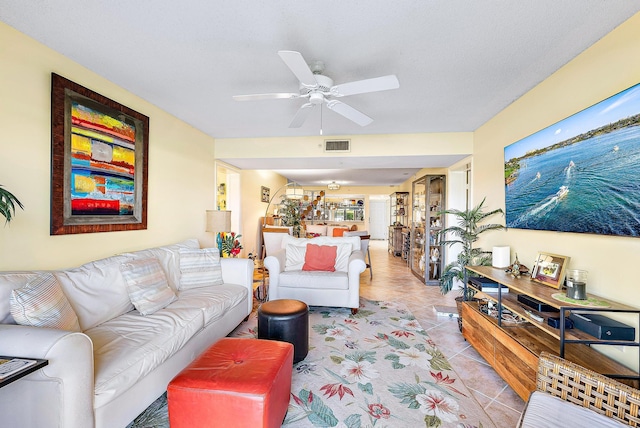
340 288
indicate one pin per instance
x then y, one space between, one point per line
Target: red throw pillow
339 232
320 257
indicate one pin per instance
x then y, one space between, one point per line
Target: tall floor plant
465 232
8 203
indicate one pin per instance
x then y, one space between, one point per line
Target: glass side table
39 363
260 276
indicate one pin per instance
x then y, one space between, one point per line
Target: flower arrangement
229 244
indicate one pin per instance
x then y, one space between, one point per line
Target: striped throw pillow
147 285
200 268
42 303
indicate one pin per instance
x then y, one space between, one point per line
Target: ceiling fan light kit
319 89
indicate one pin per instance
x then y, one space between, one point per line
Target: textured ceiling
458 62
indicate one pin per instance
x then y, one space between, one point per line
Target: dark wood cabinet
427 253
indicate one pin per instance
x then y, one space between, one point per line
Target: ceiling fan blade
301 115
273 96
299 67
368 85
349 112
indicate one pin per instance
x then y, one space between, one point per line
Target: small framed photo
549 269
265 191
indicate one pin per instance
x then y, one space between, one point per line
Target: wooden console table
513 349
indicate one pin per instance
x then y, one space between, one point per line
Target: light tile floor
393 280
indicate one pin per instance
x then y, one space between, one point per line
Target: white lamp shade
218 221
295 193
501 257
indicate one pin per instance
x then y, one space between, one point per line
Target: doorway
228 193
379 217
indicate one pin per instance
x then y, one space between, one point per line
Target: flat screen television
581 174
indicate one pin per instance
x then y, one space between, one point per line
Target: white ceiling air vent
340 146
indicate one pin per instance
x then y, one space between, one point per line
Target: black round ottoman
288 321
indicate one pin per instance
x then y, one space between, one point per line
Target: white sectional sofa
338 288
121 361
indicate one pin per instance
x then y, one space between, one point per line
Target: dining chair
272 239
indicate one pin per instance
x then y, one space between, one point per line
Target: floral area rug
377 368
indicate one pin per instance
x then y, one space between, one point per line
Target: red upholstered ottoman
234 383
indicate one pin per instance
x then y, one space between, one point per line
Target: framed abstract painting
99 161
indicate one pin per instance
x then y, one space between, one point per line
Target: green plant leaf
360 356
431 421
8 202
366 388
407 393
353 421
322 415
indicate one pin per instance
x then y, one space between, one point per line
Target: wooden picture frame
549 269
265 192
99 162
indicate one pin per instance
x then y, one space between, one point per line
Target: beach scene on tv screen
579 174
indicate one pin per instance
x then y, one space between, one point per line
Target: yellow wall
252 206
181 171
606 68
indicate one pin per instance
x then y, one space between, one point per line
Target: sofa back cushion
199 268
169 258
342 257
42 303
96 290
295 254
322 240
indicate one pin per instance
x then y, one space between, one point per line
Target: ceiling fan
318 89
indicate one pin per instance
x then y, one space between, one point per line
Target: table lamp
218 221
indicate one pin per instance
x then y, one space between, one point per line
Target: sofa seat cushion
129 347
546 411
315 279
214 301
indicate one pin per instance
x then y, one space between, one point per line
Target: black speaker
533 303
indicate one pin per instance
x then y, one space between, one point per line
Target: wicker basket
583 387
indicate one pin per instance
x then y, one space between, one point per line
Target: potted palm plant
8 204
465 232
